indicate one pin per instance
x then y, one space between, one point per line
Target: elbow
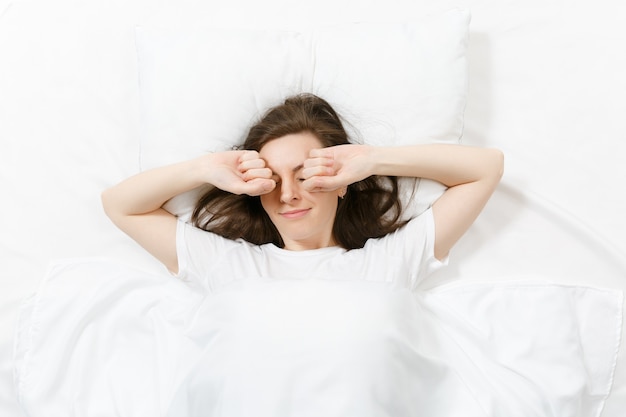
491 167
497 164
104 200
111 207
500 163
107 203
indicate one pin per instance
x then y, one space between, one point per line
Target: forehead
289 150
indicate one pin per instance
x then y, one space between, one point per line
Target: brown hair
371 208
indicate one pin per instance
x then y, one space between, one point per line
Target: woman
298 167
307 264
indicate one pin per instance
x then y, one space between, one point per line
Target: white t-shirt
403 258
325 332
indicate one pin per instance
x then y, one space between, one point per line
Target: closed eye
295 170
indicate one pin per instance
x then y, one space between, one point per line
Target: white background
547 86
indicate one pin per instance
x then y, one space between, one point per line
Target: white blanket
102 339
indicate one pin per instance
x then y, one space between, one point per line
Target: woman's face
303 219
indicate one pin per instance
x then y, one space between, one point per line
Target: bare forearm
449 164
149 190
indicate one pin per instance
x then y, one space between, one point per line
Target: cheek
263 199
329 202
268 201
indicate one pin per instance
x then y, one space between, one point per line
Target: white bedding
546 86
103 339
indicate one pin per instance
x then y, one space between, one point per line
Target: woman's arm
134 205
471 173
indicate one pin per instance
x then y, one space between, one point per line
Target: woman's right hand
240 172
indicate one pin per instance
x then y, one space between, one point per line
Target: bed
85 101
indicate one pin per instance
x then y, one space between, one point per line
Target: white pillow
398 83
201 88
394 83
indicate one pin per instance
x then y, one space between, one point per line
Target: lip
295 214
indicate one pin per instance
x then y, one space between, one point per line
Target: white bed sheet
98 336
546 86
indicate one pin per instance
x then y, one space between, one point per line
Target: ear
342 192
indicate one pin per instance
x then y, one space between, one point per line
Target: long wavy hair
371 208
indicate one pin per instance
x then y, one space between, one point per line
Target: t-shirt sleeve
413 247
198 251
417 240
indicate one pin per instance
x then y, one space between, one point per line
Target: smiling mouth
294 214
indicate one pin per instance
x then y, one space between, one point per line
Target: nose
289 191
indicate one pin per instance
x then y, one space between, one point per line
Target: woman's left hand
329 169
